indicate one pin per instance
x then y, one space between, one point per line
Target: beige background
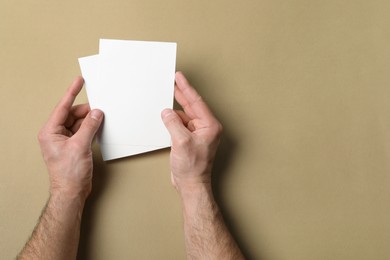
301 87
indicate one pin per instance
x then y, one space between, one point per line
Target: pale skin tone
65 142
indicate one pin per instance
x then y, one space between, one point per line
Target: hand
195 134
65 142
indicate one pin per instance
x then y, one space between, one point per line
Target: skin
65 142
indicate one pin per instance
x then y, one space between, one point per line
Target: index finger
61 111
190 100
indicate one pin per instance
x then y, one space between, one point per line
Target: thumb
89 127
174 124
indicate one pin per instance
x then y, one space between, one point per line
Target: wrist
188 186
69 195
194 194
188 189
185 181
70 189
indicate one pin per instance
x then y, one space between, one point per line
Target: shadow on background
224 157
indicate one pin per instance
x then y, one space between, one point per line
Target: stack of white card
131 82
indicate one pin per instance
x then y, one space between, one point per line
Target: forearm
206 235
57 233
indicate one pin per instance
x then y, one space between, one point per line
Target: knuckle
219 129
183 141
172 119
172 122
216 130
41 136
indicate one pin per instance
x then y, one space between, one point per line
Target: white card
131 82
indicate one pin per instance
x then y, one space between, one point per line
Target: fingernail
166 112
96 114
178 75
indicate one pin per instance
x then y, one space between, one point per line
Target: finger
61 112
190 100
180 98
187 121
183 116
174 124
76 125
88 128
80 111
77 112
